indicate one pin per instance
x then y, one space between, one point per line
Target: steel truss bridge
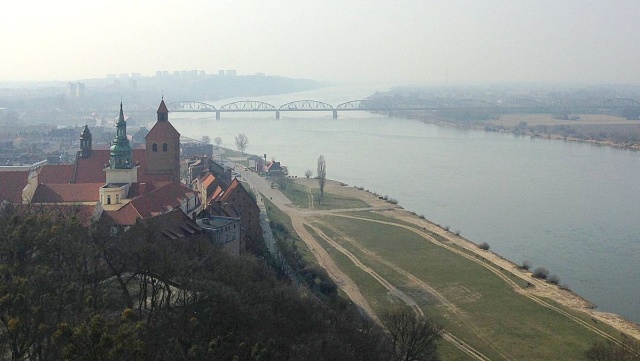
620 106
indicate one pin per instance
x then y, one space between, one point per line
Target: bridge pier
277 114
335 114
217 115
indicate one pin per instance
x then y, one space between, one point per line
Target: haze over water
569 207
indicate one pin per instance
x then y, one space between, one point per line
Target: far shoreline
529 131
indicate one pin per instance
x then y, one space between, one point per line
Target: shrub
393 201
457 232
484 246
525 265
553 279
541 273
446 228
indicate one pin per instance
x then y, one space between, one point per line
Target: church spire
120 155
85 142
163 112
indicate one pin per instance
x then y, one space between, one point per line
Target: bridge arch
362 105
305 105
190 106
418 104
247 105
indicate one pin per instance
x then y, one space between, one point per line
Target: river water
569 207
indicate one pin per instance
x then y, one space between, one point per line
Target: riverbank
539 287
596 129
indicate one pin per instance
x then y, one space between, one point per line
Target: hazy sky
403 41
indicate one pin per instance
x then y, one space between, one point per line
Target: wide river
569 207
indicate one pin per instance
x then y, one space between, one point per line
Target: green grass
495 319
276 215
508 322
373 291
298 195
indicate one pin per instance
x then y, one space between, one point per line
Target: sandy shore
541 288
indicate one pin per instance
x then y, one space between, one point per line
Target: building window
108 199
155 147
164 147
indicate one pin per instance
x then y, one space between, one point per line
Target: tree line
74 292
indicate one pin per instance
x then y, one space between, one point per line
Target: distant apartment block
76 90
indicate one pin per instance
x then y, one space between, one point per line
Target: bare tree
308 173
322 174
218 141
608 351
412 337
241 142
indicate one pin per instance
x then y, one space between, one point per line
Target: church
120 183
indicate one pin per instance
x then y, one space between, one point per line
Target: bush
393 201
484 246
541 273
525 265
553 279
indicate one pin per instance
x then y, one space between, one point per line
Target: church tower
120 173
85 142
163 148
121 168
120 151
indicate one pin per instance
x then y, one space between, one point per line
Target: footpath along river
570 207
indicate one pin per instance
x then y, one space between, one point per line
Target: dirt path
416 283
495 263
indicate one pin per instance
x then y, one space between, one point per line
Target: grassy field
472 301
299 196
492 317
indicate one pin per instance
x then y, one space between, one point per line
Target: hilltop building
141 187
110 179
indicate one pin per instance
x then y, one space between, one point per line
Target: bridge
619 106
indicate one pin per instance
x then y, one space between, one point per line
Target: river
569 207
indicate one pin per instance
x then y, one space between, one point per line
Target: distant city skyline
406 42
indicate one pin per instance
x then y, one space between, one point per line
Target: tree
322 174
206 139
308 173
609 351
218 141
412 337
241 142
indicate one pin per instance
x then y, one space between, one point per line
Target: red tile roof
162 131
173 225
125 216
56 173
67 193
208 180
158 201
230 189
11 185
91 169
162 108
